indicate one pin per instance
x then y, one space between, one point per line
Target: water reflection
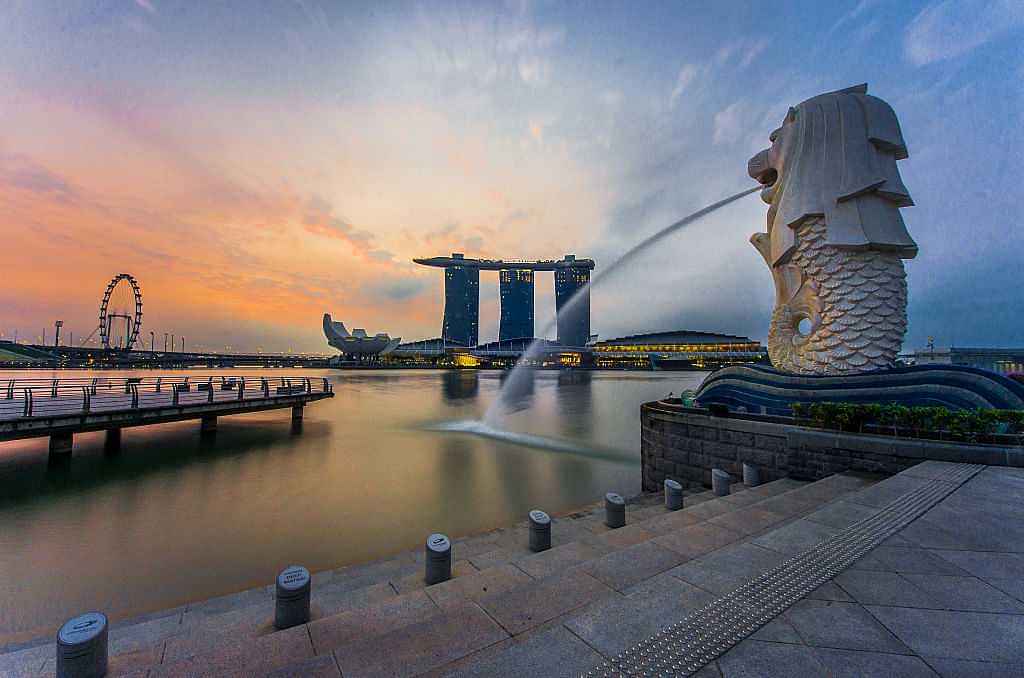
460 384
174 518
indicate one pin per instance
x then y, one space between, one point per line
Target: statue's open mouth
768 179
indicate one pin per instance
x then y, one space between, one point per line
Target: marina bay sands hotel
462 297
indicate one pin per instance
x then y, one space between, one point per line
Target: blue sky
256 164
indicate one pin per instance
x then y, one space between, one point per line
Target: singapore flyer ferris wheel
121 313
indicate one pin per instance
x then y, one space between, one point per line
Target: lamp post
165 342
152 339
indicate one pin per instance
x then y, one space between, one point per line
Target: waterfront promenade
939 594
60 408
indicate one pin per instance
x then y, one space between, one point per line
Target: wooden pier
60 408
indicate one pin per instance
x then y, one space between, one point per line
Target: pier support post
208 425
438 563
540 531
297 418
291 606
60 446
82 646
614 510
112 441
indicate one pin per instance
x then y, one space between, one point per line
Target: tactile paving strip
685 647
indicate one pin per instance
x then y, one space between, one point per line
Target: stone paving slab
987 565
534 603
331 599
748 521
371 620
696 540
829 591
623 536
319 667
723 570
476 585
854 664
911 560
957 635
622 569
534 654
846 626
560 558
710 508
759 659
240 656
962 668
796 537
618 622
26 662
670 522
420 647
778 630
841 514
882 588
964 593
415 581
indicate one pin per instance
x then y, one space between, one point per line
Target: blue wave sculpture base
765 390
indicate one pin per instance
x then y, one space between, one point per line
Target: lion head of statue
835 156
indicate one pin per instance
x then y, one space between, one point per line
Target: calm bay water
173 518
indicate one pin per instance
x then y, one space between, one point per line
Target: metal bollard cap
672 484
293 578
539 517
82 629
720 473
613 498
438 543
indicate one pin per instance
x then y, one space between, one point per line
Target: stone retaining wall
686 443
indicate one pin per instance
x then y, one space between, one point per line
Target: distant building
357 343
1001 360
462 297
573 318
678 350
516 288
461 303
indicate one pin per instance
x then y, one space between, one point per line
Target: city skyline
256 166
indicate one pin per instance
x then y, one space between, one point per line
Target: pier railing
24 398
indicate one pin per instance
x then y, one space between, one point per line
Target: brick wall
686 443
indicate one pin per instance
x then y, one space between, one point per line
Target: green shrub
923 422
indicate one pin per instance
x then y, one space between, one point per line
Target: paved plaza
940 596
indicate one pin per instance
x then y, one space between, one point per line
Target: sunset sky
255 164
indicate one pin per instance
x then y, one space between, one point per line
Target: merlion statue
836 240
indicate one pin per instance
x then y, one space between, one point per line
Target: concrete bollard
291 606
540 531
720 481
751 475
438 564
614 510
82 647
673 495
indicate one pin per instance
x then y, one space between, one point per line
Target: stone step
517 589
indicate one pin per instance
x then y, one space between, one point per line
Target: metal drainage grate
686 646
